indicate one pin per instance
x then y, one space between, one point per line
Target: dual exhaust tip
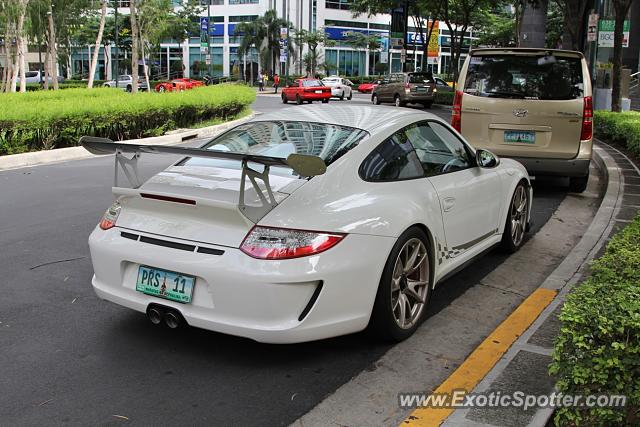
158 314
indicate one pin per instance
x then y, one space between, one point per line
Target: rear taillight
110 216
587 119
456 111
407 87
283 243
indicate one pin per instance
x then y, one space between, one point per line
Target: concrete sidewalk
524 367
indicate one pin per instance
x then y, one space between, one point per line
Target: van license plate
165 284
519 137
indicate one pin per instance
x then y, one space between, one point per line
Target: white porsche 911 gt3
305 224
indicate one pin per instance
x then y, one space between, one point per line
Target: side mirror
486 159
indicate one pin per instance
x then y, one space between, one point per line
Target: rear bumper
315 96
259 299
555 167
418 97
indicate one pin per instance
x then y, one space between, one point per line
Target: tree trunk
53 50
16 70
47 67
622 8
134 47
21 42
94 61
533 24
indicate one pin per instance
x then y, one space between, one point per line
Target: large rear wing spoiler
304 165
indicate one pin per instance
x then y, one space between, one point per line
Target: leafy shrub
598 349
53 119
622 128
444 98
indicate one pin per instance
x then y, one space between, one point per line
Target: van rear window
421 78
525 77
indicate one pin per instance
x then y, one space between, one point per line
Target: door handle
448 203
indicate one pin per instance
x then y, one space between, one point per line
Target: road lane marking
484 357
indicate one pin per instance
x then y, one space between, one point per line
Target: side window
393 160
438 149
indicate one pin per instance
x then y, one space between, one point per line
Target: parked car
350 217
340 88
191 83
308 90
125 82
442 85
406 88
176 85
533 105
368 87
36 77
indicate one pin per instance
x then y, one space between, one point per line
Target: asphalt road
67 357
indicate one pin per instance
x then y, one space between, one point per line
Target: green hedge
444 98
42 120
621 128
598 349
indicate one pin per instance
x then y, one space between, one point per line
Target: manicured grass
43 120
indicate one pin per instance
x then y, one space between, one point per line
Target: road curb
36 158
568 273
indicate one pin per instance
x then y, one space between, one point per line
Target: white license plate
519 137
318 91
165 284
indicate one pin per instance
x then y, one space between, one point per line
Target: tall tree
135 43
252 35
621 8
53 50
96 50
22 45
459 16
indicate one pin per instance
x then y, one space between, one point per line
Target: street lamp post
210 62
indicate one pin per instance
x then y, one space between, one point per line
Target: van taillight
456 112
587 119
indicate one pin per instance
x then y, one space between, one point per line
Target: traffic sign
592 29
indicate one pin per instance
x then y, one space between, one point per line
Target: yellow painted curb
484 357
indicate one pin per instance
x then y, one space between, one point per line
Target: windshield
281 138
311 83
420 78
525 77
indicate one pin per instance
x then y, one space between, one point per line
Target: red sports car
368 87
172 86
306 90
191 83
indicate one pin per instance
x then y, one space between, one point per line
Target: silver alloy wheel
518 215
374 99
397 101
410 283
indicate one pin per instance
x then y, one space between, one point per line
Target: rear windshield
281 138
525 77
311 83
31 74
421 78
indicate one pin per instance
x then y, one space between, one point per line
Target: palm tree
252 36
264 33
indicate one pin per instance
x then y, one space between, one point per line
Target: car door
383 88
469 196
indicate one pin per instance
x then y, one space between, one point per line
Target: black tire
427 104
577 184
398 102
342 96
511 241
129 88
375 100
383 322
350 96
284 99
298 100
325 101
309 102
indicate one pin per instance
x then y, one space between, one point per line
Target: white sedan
340 88
305 224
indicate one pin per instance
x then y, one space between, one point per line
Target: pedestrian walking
261 82
276 82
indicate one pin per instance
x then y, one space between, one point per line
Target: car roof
525 51
365 117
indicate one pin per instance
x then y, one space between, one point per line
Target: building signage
606 33
592 28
